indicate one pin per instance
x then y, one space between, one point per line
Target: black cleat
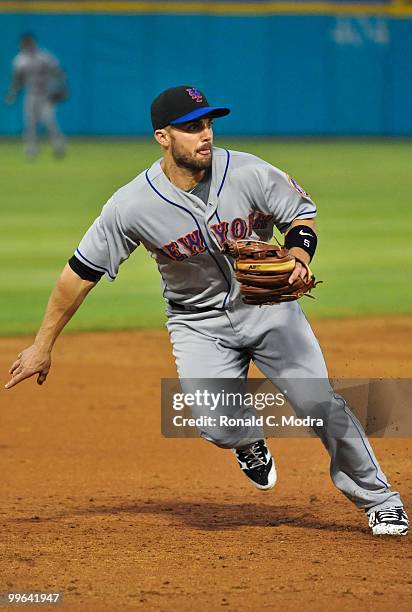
257 464
389 521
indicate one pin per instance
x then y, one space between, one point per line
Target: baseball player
183 209
38 72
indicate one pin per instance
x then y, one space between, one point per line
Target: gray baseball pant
279 339
39 109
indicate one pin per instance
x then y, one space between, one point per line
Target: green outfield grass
362 190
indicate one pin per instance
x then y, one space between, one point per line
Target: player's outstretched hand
33 360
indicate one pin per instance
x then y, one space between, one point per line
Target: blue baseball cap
181 104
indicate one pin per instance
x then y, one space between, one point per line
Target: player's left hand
269 274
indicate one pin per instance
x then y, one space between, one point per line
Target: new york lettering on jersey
192 244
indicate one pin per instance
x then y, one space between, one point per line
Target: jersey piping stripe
198 227
385 484
307 212
225 172
95 265
217 214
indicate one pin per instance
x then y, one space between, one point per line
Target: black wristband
303 237
84 271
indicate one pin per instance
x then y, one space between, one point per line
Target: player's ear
162 136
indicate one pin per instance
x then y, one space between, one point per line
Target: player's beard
189 161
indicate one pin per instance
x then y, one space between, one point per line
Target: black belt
177 306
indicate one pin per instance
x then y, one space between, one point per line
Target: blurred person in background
39 72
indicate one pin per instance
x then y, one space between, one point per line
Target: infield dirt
96 504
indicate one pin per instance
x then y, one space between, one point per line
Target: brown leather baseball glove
263 271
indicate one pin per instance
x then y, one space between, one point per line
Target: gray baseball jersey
213 333
35 70
185 235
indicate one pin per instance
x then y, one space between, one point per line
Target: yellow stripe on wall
398 9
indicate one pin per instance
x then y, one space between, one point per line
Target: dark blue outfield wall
287 75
